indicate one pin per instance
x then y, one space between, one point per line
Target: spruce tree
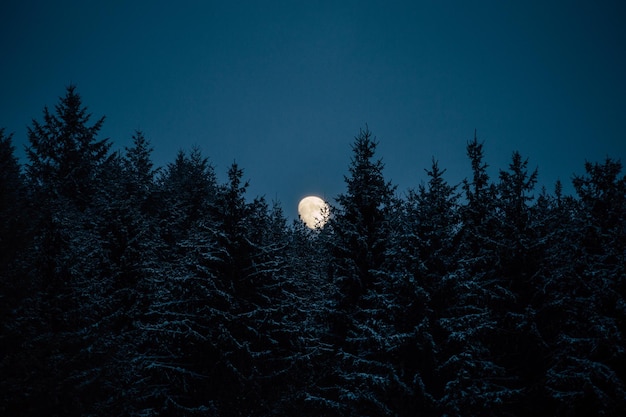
357 377
16 289
176 338
582 314
186 190
426 254
66 176
65 156
360 223
472 381
13 225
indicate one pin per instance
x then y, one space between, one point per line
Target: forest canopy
130 289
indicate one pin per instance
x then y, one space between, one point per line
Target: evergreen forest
128 289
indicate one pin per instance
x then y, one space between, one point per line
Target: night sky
282 87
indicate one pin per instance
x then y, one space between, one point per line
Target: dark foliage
127 289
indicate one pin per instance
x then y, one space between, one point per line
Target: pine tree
360 223
13 225
582 313
220 313
129 230
247 266
479 192
130 216
130 290
65 313
519 252
425 252
175 349
359 376
186 190
65 156
431 222
519 249
15 290
138 167
472 380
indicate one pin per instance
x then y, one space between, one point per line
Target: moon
313 211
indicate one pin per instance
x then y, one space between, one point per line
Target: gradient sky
282 87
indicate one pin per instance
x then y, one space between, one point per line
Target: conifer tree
128 228
360 223
129 223
187 189
358 237
15 289
138 166
130 290
247 266
471 377
519 249
582 314
425 251
431 221
66 175
12 203
65 156
175 350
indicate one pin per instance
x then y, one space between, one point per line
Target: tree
217 330
139 168
478 192
472 379
249 265
187 188
425 252
360 224
15 290
582 314
359 375
520 248
65 155
12 204
128 227
431 222
129 216
174 344
65 316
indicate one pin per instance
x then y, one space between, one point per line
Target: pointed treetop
65 154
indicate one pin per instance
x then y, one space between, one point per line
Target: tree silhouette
130 289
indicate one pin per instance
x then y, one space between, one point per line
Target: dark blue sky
282 87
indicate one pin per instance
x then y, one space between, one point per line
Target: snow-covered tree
11 199
360 223
473 382
127 289
430 224
424 253
65 155
16 290
582 311
186 189
68 264
365 368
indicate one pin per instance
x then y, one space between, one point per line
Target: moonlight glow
312 210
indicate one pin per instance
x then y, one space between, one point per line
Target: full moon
312 211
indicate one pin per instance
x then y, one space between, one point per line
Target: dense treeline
128 289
